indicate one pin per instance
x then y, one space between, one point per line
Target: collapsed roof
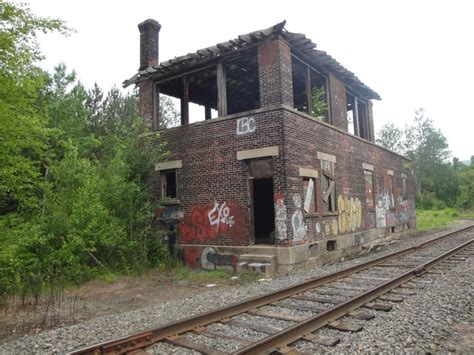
297 41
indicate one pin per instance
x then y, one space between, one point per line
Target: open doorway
262 198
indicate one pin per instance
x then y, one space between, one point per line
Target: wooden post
309 94
185 102
207 112
156 108
221 91
355 117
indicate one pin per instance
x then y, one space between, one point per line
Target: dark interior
264 210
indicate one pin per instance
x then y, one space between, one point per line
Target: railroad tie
379 306
345 326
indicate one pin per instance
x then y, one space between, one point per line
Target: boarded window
328 184
404 186
309 193
369 189
390 192
169 188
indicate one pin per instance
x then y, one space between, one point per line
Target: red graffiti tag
206 223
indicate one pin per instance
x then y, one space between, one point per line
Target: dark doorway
264 210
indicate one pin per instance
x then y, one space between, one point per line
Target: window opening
357 117
390 191
328 185
169 188
309 193
309 91
369 189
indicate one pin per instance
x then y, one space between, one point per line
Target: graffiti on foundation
246 125
297 220
210 258
168 213
328 227
220 214
207 222
280 216
317 227
334 227
350 214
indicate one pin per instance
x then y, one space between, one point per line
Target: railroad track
299 311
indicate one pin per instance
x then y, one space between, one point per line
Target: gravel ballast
434 319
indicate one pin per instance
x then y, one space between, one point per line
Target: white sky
413 53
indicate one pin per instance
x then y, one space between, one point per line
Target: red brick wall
212 174
145 103
275 77
338 102
304 137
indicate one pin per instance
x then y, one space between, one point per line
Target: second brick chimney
149 42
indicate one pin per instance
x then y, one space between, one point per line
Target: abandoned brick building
282 172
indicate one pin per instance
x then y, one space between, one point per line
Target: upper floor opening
249 73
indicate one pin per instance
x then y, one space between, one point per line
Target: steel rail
149 337
297 331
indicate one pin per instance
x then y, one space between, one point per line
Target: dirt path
95 299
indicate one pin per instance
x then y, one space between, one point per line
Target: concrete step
262 264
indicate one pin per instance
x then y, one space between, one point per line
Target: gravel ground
422 322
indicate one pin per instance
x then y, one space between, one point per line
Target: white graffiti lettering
220 214
297 220
280 217
246 125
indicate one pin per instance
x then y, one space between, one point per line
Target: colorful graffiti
168 213
297 220
350 214
210 258
280 216
207 222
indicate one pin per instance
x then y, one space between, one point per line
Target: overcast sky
413 53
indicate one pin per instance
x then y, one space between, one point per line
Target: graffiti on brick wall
168 213
280 216
220 214
380 213
297 220
382 209
246 125
350 214
207 222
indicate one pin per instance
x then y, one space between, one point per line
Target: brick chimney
149 30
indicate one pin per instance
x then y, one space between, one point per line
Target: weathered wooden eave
226 50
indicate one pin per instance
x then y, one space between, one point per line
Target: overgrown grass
183 273
433 219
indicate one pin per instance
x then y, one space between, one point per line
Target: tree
390 137
428 151
319 103
169 115
24 135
